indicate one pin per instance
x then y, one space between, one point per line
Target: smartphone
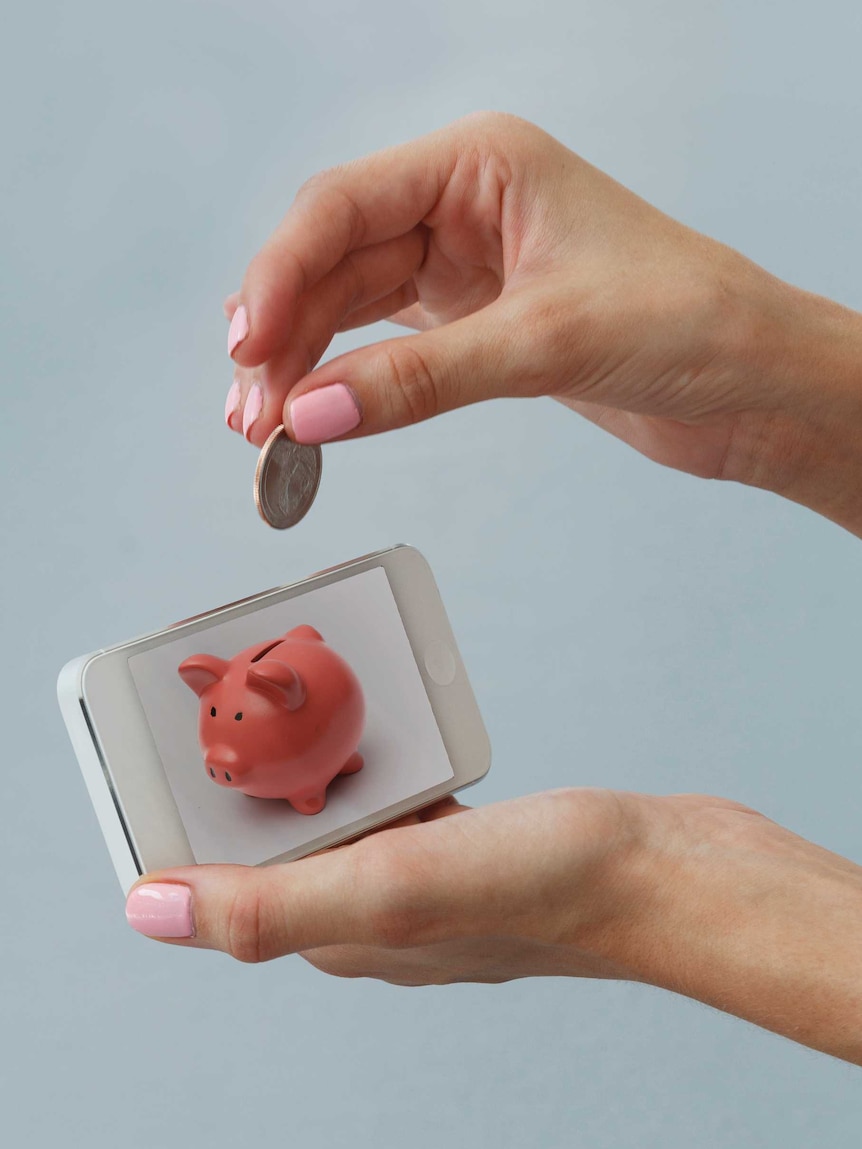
137 729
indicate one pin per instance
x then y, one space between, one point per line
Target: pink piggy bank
280 719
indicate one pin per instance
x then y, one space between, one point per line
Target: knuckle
275 258
414 381
357 225
496 127
245 937
315 182
331 189
487 120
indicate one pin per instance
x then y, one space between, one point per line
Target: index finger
366 201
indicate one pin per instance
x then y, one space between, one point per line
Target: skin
524 271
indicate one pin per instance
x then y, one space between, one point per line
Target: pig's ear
279 680
305 632
201 670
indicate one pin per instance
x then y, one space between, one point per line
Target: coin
286 479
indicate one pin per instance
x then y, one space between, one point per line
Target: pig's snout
222 757
222 764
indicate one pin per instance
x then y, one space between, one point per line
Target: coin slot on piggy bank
280 720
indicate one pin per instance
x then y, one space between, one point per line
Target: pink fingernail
253 407
161 910
324 413
238 329
232 402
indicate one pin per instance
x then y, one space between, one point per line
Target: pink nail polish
324 413
238 329
253 408
161 910
232 402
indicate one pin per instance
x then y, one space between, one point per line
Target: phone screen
403 750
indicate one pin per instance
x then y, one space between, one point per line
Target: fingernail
161 910
253 407
324 413
232 402
238 329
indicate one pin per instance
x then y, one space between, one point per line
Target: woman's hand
698 895
528 272
448 894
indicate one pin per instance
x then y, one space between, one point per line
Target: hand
528 272
448 894
698 895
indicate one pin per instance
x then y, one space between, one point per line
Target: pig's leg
353 764
308 802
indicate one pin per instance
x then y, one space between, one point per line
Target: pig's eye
212 712
238 717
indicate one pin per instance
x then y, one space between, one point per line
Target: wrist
727 907
801 355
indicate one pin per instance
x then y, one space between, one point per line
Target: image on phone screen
403 751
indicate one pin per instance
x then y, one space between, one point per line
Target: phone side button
440 663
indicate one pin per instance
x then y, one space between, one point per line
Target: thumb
253 913
407 885
405 380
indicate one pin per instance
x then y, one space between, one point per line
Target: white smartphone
134 722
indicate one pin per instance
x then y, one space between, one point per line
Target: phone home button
440 663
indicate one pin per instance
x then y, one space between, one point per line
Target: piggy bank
280 719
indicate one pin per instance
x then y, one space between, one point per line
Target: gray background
673 634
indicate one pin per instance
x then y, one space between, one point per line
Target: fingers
356 283
347 254
357 205
489 354
401 381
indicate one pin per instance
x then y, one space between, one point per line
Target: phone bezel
99 697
